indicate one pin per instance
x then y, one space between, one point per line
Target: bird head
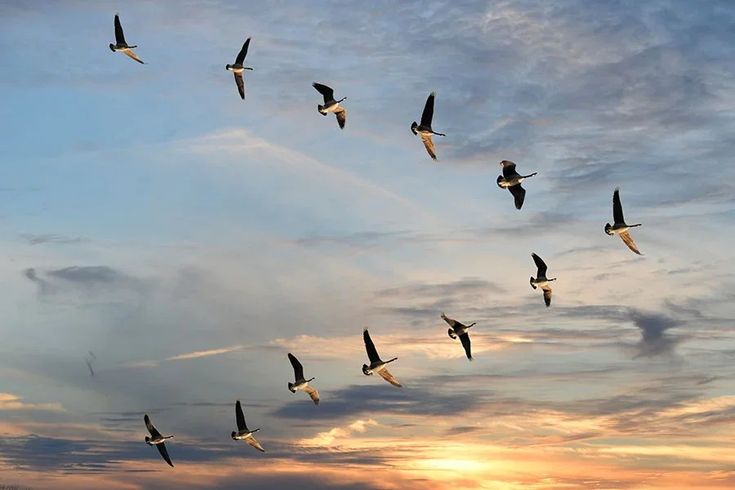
413 127
506 162
147 440
112 47
233 434
451 334
607 229
291 388
366 370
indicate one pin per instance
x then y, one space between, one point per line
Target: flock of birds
510 179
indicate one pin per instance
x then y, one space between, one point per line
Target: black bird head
147 440
366 370
413 127
112 47
233 434
607 229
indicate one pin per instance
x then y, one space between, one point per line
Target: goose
459 330
157 440
301 383
511 180
120 44
541 281
619 227
424 129
243 433
376 364
331 105
237 68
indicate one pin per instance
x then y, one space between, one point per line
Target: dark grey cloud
89 275
654 337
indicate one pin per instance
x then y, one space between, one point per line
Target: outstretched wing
465 338
429 144
386 375
341 117
130 53
326 92
547 295
298 369
509 170
148 425
617 208
519 194
241 425
164 453
243 52
540 264
313 393
629 242
119 35
428 113
240 81
370 347
450 321
254 442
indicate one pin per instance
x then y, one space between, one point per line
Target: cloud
188 356
654 337
42 238
328 438
9 401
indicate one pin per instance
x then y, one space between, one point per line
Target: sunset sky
190 240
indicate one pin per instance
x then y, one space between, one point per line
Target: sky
190 240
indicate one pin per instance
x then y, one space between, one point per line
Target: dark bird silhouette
243 433
459 330
424 129
238 68
619 227
511 180
331 105
120 45
157 440
299 382
541 281
377 365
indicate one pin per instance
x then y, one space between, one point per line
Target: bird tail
291 388
607 229
531 282
133 46
413 127
451 334
529 175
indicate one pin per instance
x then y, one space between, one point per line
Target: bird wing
519 194
241 425
370 347
429 144
130 53
244 51
240 81
154 432
450 321
254 442
119 36
509 170
465 338
428 113
386 375
341 117
617 208
313 393
547 295
327 92
298 369
164 453
628 240
540 264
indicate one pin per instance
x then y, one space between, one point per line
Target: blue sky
190 240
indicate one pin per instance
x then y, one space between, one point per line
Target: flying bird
331 105
541 281
301 383
157 440
459 330
237 68
511 180
619 227
120 44
243 433
376 364
424 129
89 359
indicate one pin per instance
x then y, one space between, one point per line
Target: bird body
512 180
156 439
377 365
619 226
243 433
424 130
120 45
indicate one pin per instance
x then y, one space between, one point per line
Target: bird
424 129
243 433
331 105
459 330
541 281
157 440
301 383
89 359
237 68
120 44
511 180
619 227
376 364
